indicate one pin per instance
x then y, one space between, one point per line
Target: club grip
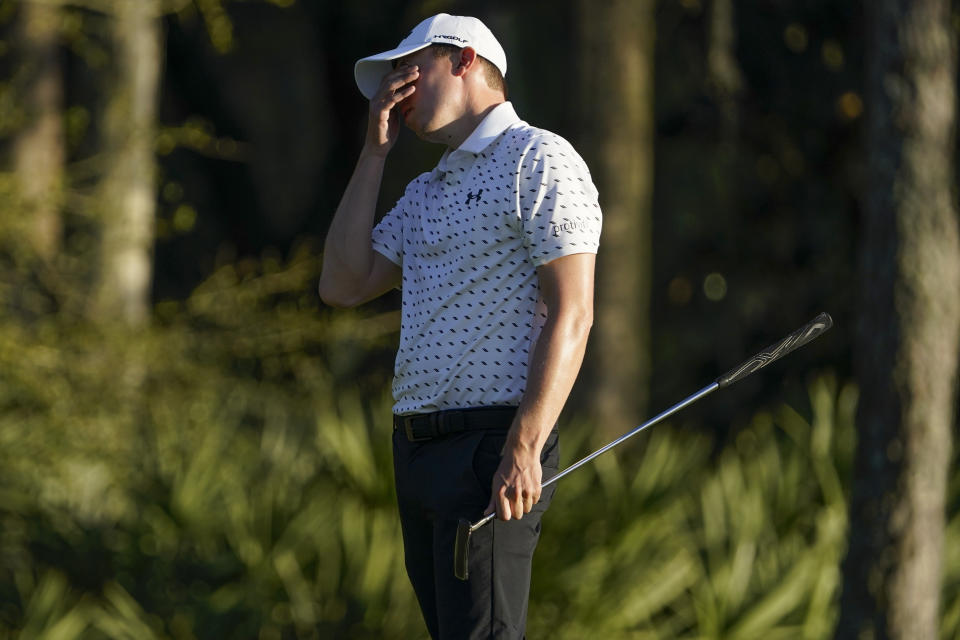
798 338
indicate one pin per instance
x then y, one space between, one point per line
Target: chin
425 131
417 131
420 133
430 135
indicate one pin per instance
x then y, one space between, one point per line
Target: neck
455 133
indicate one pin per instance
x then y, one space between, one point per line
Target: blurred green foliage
746 544
203 477
209 477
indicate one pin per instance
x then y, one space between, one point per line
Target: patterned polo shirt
469 237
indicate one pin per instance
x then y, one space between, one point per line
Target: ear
466 61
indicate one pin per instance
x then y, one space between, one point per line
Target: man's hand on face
384 124
516 483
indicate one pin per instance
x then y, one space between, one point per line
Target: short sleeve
387 235
559 212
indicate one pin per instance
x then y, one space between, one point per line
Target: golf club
798 338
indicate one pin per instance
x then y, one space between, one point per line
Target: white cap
460 31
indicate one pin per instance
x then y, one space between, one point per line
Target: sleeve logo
570 226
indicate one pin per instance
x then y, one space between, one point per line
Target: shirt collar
500 118
495 123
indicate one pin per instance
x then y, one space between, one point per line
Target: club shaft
649 423
774 352
707 390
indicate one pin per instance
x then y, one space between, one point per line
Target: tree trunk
907 341
724 79
616 59
129 193
38 148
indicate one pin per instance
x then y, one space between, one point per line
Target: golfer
493 251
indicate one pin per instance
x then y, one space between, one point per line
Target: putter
797 339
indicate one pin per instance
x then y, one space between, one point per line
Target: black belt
424 426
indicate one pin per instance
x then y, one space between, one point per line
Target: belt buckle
408 430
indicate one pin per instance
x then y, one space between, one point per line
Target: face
433 105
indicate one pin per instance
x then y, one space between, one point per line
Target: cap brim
369 71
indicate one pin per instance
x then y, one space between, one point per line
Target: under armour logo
471 196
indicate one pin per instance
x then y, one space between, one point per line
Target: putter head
461 546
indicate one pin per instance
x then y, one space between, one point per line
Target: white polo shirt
469 236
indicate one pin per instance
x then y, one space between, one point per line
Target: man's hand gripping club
516 482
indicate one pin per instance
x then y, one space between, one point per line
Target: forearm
348 251
566 285
557 357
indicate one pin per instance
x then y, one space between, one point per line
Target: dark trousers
440 481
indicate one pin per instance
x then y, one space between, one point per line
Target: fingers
400 76
391 100
506 509
515 501
500 502
491 506
384 121
525 500
515 489
528 501
511 502
395 86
